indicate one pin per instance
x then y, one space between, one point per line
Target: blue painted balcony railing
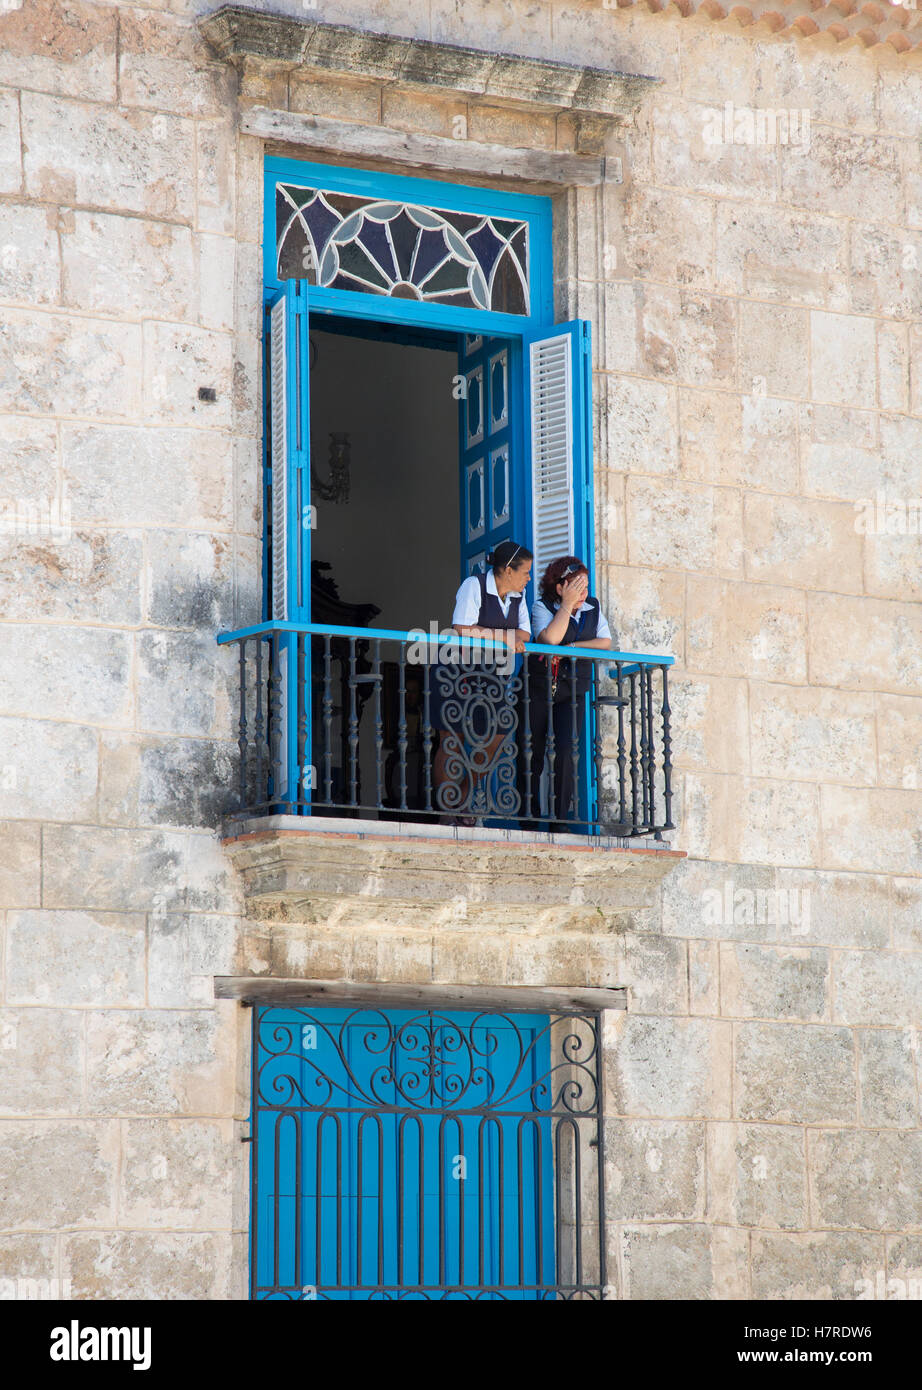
347 721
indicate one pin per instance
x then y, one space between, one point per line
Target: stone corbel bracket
277 45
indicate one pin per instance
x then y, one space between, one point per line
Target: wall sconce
337 489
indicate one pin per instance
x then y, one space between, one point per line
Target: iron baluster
622 761
242 725
303 705
574 749
527 807
644 748
261 732
667 754
275 713
402 738
635 774
380 789
551 747
428 738
353 729
327 715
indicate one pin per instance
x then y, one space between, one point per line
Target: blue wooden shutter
558 405
288 416
289 420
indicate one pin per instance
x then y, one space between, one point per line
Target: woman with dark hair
566 616
490 605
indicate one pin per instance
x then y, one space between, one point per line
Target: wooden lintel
260 989
424 151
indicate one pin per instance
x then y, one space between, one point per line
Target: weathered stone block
53 673
30 267
840 171
642 426
711 444
646 608
710 724
699 900
20 864
770 253
73 958
161 1061
655 969
41 1062
218 202
190 580
684 526
58 1174
866 644
907 914
85 576
703 978
746 630
51 364
796 1073
645 252
811 545
773 349
185 781
84 868
685 1262
843 359
878 987
184 953
684 158
106 158
178 477
176 682
836 909
654 1170
178 359
876 830
49 770
889 1096
866 1178
68 49
164 64
135 1265
687 336
671 1067
774 982
10 143
812 734
127 266
177 1173
819 1265
757 1176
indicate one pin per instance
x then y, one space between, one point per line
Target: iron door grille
426 1154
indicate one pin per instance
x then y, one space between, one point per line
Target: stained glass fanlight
401 250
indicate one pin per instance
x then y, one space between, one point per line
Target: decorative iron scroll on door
426 1154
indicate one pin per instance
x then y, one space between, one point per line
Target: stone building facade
738 211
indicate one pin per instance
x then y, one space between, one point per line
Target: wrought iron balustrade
374 723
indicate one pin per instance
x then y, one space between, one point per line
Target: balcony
342 722
338 730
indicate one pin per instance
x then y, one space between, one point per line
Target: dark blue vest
582 627
491 612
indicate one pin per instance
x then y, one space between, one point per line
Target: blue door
402 1154
489 489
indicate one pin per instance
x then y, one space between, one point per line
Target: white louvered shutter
551 400
279 425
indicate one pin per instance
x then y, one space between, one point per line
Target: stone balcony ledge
370 873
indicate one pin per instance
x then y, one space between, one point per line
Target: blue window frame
530 473
424 1153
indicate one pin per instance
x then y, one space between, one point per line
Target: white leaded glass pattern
401 250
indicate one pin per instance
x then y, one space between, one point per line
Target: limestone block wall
755 315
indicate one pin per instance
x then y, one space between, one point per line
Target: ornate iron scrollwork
479 716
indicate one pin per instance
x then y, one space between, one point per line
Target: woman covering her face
490 605
564 615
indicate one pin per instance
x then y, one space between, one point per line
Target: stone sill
236 34
367 873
